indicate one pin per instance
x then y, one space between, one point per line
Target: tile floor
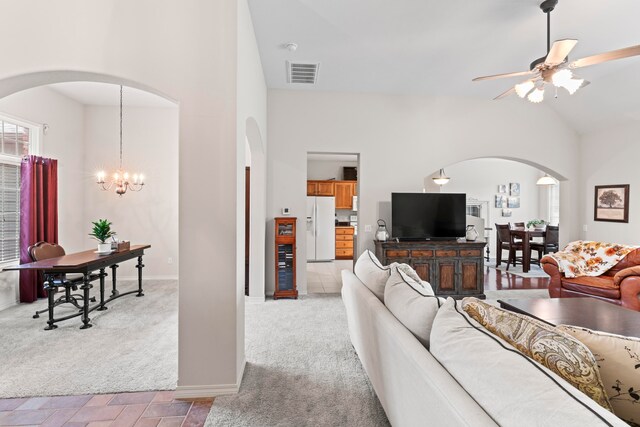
117 410
324 277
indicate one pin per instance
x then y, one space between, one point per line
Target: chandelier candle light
121 178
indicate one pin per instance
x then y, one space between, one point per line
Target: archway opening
506 192
77 118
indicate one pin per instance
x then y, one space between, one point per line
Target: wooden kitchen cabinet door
344 195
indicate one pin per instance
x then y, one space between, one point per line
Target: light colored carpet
301 370
132 346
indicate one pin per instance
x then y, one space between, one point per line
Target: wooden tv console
454 268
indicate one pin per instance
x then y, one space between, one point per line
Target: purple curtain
38 217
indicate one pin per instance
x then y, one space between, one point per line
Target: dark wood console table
453 267
85 263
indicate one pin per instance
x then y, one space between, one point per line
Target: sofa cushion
372 273
632 259
574 285
556 350
619 361
513 389
602 282
412 303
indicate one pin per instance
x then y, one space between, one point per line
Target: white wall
610 157
402 139
63 141
251 130
327 169
479 179
150 141
161 49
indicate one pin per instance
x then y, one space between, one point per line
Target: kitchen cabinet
344 242
345 190
320 188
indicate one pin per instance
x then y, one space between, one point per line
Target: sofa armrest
627 272
550 266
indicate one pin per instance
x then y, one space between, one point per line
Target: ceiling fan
555 68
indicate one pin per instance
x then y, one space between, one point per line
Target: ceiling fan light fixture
536 96
573 85
441 179
561 77
522 89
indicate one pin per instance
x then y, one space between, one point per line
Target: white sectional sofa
416 390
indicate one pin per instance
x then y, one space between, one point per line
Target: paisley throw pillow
558 351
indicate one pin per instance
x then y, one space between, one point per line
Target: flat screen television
428 216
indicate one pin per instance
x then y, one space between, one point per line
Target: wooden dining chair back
552 238
44 250
503 238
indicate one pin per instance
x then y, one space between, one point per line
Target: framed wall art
501 201
611 203
507 212
514 189
502 188
514 202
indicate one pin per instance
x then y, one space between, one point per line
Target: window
17 139
554 204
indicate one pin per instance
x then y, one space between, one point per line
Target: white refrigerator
321 229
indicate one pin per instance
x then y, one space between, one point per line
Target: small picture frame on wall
514 189
514 202
507 212
611 203
502 188
501 201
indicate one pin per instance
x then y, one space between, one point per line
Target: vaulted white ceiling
437 47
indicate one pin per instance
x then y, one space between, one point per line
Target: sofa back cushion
412 302
372 273
513 389
632 259
619 361
552 348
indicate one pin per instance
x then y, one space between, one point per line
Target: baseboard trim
145 277
204 391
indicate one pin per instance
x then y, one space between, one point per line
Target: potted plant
537 224
102 232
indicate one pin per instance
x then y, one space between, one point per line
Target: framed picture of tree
611 203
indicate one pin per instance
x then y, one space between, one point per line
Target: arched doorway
76 172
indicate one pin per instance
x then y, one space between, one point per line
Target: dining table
526 234
85 263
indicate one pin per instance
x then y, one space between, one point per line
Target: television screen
419 216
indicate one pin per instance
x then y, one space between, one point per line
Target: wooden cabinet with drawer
344 242
453 268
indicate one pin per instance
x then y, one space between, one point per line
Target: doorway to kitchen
331 219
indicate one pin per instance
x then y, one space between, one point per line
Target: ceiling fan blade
500 76
505 93
607 56
559 51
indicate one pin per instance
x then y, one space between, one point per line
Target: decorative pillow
513 389
409 271
619 361
558 351
412 303
372 273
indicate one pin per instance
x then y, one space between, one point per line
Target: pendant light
121 178
441 179
546 180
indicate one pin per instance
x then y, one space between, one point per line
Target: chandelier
121 179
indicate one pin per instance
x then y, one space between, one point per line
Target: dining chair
70 282
505 241
550 242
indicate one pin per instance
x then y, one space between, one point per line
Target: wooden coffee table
586 312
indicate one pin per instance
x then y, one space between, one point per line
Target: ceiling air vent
298 72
